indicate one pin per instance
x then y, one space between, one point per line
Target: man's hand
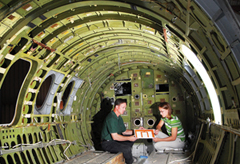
118 137
132 138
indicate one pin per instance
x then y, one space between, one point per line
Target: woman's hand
156 132
155 139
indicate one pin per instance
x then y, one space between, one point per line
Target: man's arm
131 132
128 132
119 137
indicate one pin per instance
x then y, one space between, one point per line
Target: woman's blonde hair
167 106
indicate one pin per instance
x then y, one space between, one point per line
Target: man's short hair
119 101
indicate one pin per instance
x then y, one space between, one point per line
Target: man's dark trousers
120 146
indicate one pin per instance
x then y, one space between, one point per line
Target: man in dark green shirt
115 137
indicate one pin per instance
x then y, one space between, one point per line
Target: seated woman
176 137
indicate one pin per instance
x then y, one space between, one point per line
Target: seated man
113 139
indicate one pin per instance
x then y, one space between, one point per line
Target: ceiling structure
94 39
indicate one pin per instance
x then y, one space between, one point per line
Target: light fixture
192 58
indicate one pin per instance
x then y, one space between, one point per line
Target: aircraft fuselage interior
63 63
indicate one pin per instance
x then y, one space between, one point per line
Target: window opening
43 91
65 96
10 90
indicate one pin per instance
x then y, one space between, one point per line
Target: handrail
223 127
195 149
